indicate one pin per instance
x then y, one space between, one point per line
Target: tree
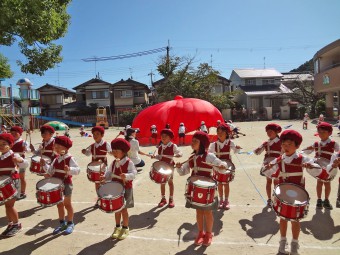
5 69
34 24
223 101
180 78
308 66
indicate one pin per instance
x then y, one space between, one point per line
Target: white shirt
133 152
221 145
74 168
261 148
24 164
203 128
175 150
96 145
38 151
181 130
130 175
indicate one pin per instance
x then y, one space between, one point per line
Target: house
261 91
129 93
327 75
52 99
289 79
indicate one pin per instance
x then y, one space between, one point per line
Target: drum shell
112 204
49 197
92 175
265 162
200 195
223 178
157 176
289 211
7 190
35 165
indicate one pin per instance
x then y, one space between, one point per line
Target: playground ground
249 227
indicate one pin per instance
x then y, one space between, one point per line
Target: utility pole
151 74
58 75
168 57
130 73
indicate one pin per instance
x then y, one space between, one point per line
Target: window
268 82
138 93
100 94
250 81
126 93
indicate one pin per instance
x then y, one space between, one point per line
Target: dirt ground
249 227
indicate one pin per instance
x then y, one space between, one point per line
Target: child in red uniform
20 147
288 168
8 163
335 163
221 148
201 162
46 148
153 130
324 151
273 149
122 170
98 150
166 152
64 166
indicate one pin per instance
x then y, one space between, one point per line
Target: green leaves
35 24
5 69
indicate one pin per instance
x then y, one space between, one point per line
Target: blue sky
230 34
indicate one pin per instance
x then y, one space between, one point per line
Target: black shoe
21 196
338 203
327 205
139 171
9 226
15 229
319 204
96 205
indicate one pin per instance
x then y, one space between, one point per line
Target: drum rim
288 203
43 156
9 198
162 162
167 177
122 193
6 180
115 210
61 185
213 182
199 204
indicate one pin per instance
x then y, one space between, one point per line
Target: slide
67 122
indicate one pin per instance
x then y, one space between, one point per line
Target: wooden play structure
102 117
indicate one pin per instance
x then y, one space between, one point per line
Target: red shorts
154 135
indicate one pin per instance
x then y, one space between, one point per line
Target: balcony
328 80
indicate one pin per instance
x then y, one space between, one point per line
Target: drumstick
210 164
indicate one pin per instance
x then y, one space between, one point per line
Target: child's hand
308 165
123 176
222 167
83 151
178 165
17 160
66 168
32 147
336 163
47 175
238 147
42 161
178 156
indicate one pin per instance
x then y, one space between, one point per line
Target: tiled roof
130 82
57 87
74 104
94 80
257 73
265 90
297 77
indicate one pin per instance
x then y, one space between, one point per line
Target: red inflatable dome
190 111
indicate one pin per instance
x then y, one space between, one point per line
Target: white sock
295 240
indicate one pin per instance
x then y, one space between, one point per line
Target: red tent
190 111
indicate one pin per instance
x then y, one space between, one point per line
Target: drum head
49 184
111 189
231 166
94 166
3 179
202 181
290 193
162 167
322 162
268 160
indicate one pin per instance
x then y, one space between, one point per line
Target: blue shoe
69 229
59 229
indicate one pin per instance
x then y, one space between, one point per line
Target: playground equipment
102 117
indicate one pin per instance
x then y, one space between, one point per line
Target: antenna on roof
264 62
130 73
211 60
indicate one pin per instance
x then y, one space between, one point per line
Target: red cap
47 128
17 129
8 138
63 141
224 127
291 135
203 138
275 127
326 126
100 129
120 144
168 132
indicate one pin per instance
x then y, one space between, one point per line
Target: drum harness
319 151
268 151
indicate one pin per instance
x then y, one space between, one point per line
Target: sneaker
226 205
338 203
21 196
327 205
319 204
220 206
123 233
59 229
283 246
116 232
9 226
69 229
15 229
139 171
162 203
269 202
96 205
171 203
200 238
294 246
207 239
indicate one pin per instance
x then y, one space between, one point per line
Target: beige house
327 75
52 99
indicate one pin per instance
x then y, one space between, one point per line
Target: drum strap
196 169
59 171
115 176
286 175
99 156
48 150
222 153
7 169
276 152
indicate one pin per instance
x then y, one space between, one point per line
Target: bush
320 107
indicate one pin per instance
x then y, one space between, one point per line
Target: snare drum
35 164
94 171
111 197
49 191
265 162
225 176
161 172
321 173
290 201
7 189
200 191
323 162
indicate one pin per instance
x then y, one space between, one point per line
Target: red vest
48 150
224 153
200 168
286 169
99 153
272 151
168 151
59 169
119 170
7 167
19 148
324 151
